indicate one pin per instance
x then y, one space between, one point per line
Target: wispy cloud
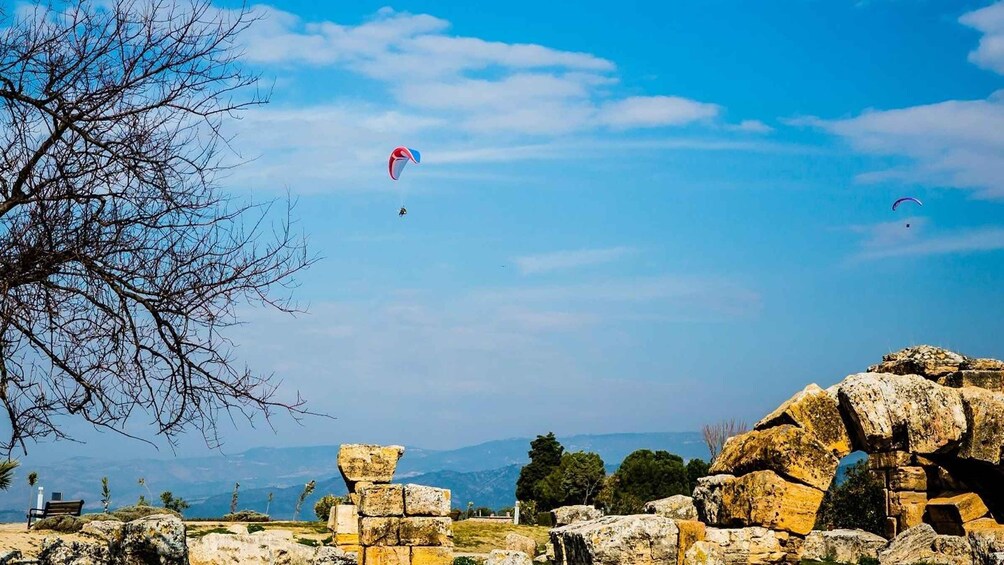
990 20
564 260
954 143
481 85
958 143
892 239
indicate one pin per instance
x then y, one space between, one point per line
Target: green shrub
130 513
246 516
465 560
63 524
71 524
856 503
252 528
545 519
323 506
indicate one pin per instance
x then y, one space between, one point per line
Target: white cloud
564 260
751 126
957 143
893 239
990 52
481 86
654 111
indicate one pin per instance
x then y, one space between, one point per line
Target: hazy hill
203 478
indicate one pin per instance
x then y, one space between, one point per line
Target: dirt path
29 543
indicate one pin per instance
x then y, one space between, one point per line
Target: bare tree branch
715 435
121 261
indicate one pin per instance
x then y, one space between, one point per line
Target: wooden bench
56 508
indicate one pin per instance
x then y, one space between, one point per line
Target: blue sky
624 220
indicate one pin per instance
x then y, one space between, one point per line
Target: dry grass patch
472 536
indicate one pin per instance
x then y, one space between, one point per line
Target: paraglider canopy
906 199
399 157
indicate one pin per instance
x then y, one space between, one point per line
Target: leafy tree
32 478
106 494
576 480
121 259
269 503
545 455
643 476
171 503
307 489
696 468
857 502
7 473
322 508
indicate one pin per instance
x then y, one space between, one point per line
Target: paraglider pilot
402 212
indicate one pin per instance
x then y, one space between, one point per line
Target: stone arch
930 420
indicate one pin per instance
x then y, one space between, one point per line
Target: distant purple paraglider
906 199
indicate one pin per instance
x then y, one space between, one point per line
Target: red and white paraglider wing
399 157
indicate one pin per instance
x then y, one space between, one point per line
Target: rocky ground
15 536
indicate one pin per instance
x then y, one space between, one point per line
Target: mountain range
485 474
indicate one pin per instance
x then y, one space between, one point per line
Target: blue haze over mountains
485 474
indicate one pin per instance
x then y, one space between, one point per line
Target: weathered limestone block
426 531
747 546
566 515
787 450
921 544
640 539
506 557
818 413
992 380
987 543
949 515
382 500
704 553
272 548
344 519
370 463
691 532
908 508
108 531
983 364
765 499
56 551
420 500
379 531
327 555
902 412
708 498
908 478
387 555
985 421
924 360
885 460
677 507
431 556
159 535
842 546
517 542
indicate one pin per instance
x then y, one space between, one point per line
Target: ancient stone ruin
932 424
389 524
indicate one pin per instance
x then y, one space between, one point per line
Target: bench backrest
63 507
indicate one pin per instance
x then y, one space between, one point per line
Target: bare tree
121 259
715 435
